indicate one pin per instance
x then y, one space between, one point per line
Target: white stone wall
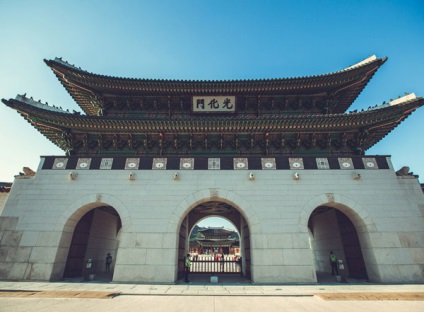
3 198
37 222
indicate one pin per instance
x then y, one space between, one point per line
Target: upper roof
216 231
87 88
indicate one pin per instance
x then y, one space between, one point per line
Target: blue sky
208 40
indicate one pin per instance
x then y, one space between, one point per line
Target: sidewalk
209 289
113 297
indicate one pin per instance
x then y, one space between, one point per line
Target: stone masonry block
393 256
43 254
417 255
8 223
259 241
5 269
29 238
160 256
131 256
384 239
18 254
11 238
297 257
268 257
133 273
169 240
410 273
20 271
290 274
421 208
4 251
300 240
149 240
128 240
389 273
409 239
164 273
280 241
40 271
48 239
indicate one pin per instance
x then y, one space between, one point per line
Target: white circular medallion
159 165
131 165
296 164
346 164
60 164
186 165
370 164
269 165
241 165
83 165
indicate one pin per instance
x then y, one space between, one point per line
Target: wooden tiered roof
214 232
340 133
304 115
339 89
216 237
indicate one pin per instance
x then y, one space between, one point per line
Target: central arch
230 263
227 205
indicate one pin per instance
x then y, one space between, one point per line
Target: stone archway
335 226
95 237
178 222
96 222
332 231
217 209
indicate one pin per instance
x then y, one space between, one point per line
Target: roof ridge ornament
369 59
23 98
66 63
400 100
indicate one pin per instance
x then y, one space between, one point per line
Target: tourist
333 262
108 262
187 265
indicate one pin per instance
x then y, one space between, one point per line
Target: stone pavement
210 289
206 297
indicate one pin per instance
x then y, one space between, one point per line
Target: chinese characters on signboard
214 104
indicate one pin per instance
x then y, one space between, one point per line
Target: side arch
361 222
69 219
357 214
81 206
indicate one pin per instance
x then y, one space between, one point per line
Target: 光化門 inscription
214 104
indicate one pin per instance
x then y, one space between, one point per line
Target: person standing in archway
333 262
108 262
187 265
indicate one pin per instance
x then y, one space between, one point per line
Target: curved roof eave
84 87
378 121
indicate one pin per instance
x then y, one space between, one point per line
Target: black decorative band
215 163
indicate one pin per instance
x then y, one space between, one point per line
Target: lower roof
70 131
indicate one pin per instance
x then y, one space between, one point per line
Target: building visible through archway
95 236
331 230
226 211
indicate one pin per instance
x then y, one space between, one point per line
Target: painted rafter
377 122
89 89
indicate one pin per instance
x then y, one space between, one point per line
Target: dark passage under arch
95 235
332 230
